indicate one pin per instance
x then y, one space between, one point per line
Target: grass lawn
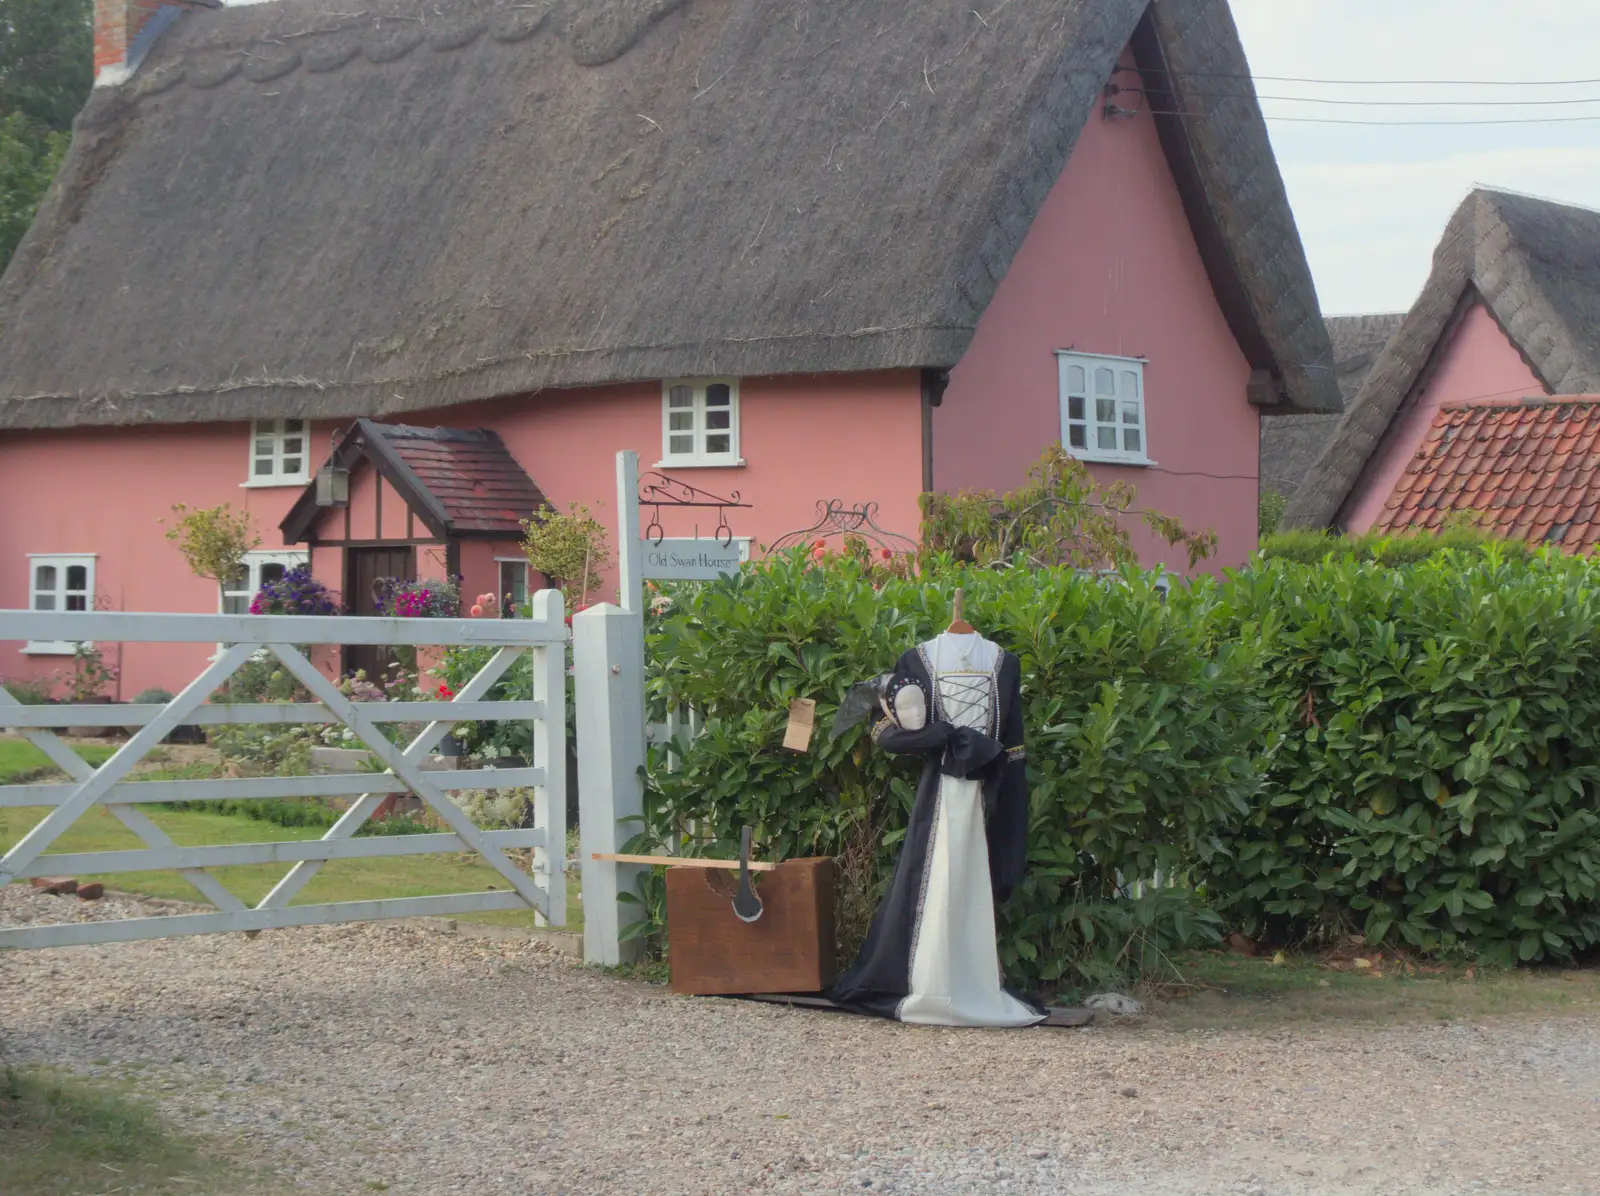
338 880
21 762
1236 991
66 1137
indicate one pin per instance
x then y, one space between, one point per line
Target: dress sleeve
1008 824
907 726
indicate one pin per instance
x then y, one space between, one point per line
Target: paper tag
802 717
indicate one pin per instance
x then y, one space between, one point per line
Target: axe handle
678 861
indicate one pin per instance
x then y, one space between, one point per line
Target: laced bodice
964 668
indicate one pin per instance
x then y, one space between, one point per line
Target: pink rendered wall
364 512
856 437
432 559
1110 266
480 568
1478 363
853 437
105 491
397 520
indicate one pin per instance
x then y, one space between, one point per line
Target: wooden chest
789 949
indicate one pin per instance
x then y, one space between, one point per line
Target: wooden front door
363 567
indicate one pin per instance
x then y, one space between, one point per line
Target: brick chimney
124 31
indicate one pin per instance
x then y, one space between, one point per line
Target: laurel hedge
1437 750
1295 750
1139 742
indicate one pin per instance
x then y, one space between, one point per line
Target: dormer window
700 422
278 454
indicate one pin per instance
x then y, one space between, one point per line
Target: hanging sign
693 560
802 718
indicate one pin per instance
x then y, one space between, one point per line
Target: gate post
608 660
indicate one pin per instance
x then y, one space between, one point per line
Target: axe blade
746 905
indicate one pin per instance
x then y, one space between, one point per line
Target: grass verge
22 763
1237 992
63 1138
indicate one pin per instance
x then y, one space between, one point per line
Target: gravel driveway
436 1063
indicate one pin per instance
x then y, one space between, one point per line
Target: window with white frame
255 571
1102 408
513 592
59 583
278 452
700 422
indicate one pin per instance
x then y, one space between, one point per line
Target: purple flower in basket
295 593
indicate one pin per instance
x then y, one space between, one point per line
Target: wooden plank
216 714
90 791
81 771
549 667
289 851
158 840
405 767
364 807
674 861
264 788
143 628
1068 1018
129 930
807 1001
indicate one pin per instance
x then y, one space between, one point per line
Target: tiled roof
1529 470
471 474
1535 265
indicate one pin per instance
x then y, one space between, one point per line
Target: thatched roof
1291 444
1536 266
316 210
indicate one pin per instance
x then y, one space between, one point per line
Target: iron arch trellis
834 519
657 490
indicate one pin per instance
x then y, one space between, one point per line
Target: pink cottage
803 251
1511 312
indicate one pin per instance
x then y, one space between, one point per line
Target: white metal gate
543 637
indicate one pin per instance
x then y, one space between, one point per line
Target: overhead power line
1333 120
1372 82
1226 95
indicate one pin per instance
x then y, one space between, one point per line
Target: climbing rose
887 555
477 610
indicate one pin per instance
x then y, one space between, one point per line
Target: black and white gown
930 957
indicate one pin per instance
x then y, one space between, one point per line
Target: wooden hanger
959 625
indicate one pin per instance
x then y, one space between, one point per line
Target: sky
1371 203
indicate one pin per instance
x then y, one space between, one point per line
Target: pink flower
819 544
819 552
477 610
887 555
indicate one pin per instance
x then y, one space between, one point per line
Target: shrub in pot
86 686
